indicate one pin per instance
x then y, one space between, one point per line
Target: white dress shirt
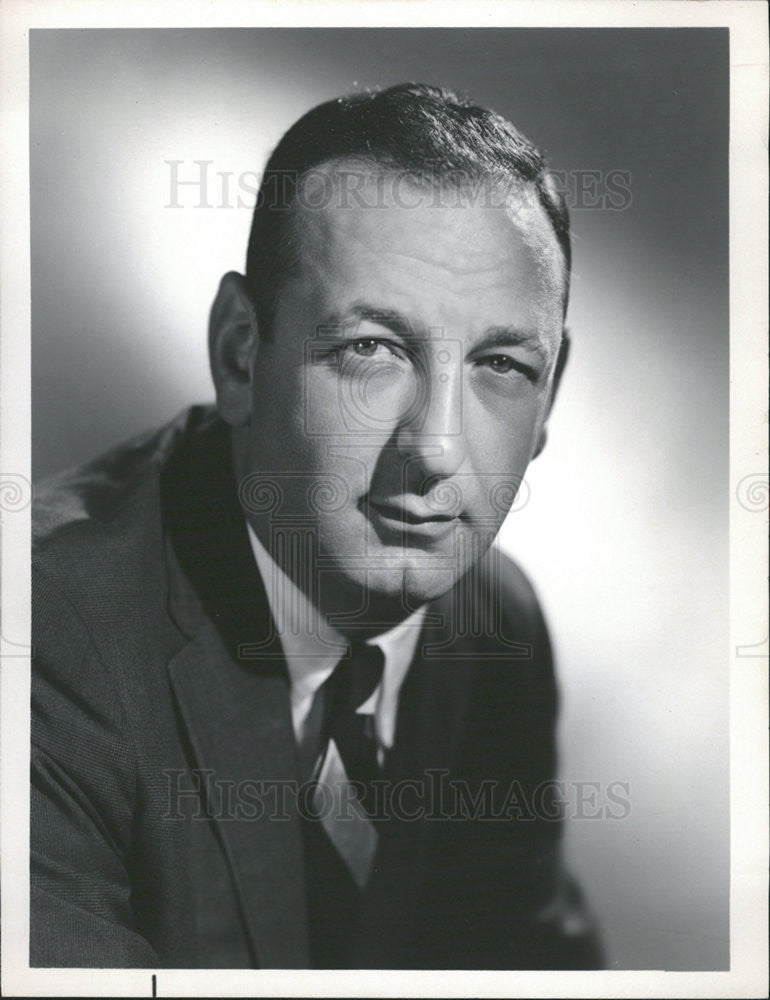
313 648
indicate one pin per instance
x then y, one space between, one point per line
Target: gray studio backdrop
625 526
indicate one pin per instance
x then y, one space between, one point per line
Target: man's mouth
411 515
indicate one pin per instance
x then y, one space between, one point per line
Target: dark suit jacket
159 684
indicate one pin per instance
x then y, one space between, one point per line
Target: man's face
405 383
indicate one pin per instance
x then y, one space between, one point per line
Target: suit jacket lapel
232 687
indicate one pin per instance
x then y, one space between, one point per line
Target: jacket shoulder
514 596
493 616
71 506
515 586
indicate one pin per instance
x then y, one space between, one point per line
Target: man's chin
394 580
405 584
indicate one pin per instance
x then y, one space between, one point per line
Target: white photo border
748 457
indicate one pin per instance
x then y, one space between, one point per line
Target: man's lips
411 513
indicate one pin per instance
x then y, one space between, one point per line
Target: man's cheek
321 410
491 491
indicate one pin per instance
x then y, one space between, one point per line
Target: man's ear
561 363
233 345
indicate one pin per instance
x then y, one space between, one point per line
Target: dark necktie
349 754
354 681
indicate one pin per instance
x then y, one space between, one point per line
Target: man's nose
433 429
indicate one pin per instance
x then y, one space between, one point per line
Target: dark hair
411 127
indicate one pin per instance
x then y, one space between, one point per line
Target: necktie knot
357 676
354 681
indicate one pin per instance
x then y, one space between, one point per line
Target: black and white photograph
384 495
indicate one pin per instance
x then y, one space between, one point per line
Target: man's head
389 361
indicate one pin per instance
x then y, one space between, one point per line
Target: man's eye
501 364
366 348
371 347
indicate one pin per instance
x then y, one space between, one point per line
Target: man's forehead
350 210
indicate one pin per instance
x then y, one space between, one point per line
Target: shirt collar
313 648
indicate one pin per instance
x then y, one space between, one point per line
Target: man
290 708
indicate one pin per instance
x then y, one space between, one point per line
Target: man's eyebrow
512 336
391 319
